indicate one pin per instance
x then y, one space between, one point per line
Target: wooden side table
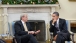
8 40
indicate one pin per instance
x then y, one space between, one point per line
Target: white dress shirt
22 22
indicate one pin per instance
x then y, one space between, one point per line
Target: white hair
22 15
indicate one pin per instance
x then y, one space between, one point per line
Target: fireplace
39 25
38 16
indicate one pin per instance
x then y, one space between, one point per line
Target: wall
68 9
1 27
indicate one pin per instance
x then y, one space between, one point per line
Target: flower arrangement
29 1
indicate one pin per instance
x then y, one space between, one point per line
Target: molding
29 10
37 5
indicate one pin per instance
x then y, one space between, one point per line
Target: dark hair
56 13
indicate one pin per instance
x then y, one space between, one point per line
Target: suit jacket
62 27
19 30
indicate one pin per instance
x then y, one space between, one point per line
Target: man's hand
54 21
37 32
55 38
31 32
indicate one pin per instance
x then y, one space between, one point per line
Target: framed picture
73 0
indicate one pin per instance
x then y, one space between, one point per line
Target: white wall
1 27
68 9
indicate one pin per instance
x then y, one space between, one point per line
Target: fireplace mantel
5 7
37 5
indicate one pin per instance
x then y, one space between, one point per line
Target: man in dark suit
23 31
59 28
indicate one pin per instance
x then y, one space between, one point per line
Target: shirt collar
58 21
22 22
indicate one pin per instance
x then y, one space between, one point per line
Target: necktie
57 26
25 27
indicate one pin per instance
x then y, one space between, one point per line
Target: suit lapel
22 25
59 23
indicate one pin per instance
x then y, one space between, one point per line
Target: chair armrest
71 33
14 39
51 33
13 36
